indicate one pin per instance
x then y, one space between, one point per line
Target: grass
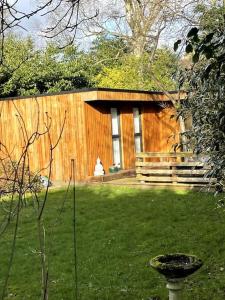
118 231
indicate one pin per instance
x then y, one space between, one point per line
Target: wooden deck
182 168
160 170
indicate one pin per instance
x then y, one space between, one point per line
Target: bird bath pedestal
176 267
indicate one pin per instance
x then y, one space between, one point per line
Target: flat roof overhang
127 96
107 94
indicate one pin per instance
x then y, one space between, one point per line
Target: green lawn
118 231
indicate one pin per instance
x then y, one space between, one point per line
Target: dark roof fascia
87 90
89 101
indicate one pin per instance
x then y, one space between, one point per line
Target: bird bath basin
175 267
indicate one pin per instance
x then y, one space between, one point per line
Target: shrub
16 178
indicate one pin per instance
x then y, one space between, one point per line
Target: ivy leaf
195 57
189 48
222 68
195 38
181 81
222 121
176 45
207 71
208 52
209 37
192 32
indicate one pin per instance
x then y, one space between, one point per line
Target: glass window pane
115 125
137 144
116 151
137 128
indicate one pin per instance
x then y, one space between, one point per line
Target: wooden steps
112 176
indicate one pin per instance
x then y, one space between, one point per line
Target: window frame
116 136
138 134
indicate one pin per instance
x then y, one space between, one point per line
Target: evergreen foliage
109 63
28 71
136 72
206 97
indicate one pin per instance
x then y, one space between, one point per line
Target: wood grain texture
98 136
166 154
127 130
160 131
136 96
172 172
87 133
171 164
72 144
177 179
164 172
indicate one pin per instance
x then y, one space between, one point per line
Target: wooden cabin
106 123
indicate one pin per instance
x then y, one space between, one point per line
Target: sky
32 25
35 24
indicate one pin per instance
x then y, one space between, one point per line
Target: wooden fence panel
184 168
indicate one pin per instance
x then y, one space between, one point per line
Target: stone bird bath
175 267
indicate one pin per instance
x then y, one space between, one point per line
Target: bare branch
12 18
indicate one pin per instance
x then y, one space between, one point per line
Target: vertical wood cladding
160 131
72 144
87 133
99 135
127 135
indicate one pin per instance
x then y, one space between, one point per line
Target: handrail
165 154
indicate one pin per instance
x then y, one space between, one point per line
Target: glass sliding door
137 130
116 137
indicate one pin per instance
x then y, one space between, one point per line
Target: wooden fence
182 168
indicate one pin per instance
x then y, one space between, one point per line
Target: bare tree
12 18
17 179
140 22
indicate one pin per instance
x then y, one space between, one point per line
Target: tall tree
139 22
12 18
28 71
206 97
126 73
211 15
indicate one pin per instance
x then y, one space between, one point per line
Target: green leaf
222 121
222 68
209 37
207 71
195 39
176 45
208 52
189 48
195 57
192 32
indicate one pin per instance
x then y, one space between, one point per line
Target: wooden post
174 176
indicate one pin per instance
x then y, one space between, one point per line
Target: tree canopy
206 91
108 63
29 71
128 73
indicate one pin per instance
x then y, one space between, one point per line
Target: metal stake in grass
74 229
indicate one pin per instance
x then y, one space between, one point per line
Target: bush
16 178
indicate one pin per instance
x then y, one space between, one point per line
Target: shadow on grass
118 231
